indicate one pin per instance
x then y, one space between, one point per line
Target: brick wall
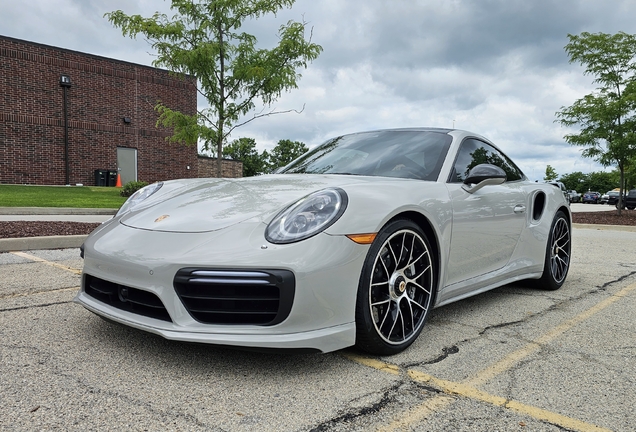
103 91
229 168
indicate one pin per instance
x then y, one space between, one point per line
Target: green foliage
575 181
606 117
550 174
629 181
603 181
60 196
204 39
285 152
131 187
600 181
244 149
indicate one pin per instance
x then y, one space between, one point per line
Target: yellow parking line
468 389
34 293
419 413
51 263
373 363
510 360
470 392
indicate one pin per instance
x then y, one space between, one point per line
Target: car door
487 224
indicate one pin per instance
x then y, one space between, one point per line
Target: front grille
126 298
213 296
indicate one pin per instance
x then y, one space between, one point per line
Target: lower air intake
214 296
126 298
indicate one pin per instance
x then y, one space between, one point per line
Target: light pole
65 82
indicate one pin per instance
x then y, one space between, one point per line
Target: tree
599 181
244 150
285 152
204 39
607 117
575 181
550 174
602 181
630 175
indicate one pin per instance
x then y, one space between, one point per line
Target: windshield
392 153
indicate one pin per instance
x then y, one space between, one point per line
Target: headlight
138 197
307 217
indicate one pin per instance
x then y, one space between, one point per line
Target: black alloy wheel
396 289
557 257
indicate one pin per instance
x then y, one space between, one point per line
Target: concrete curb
55 211
605 227
44 242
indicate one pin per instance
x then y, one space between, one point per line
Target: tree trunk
219 158
620 192
221 105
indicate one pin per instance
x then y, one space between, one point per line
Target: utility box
101 177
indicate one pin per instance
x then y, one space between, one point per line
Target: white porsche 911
351 244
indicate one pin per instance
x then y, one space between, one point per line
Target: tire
396 289
557 256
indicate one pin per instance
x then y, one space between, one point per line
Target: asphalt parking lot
513 359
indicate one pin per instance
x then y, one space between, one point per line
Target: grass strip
60 196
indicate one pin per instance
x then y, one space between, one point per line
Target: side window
474 152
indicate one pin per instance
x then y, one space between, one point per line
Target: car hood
201 205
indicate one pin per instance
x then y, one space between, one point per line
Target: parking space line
51 263
510 360
468 388
471 392
32 293
419 413
373 363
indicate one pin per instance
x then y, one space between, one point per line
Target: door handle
519 209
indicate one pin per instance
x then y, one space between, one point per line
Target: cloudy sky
495 67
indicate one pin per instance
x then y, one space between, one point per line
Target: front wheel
396 289
557 257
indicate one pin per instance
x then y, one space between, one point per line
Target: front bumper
326 270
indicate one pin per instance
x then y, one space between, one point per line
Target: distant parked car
574 196
610 198
604 198
591 197
629 201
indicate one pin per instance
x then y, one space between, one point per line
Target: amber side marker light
363 238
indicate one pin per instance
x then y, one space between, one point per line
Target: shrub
132 187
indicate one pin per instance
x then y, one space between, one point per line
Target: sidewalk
49 214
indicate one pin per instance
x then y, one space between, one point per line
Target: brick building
109 116
229 168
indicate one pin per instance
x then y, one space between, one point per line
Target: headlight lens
136 198
307 217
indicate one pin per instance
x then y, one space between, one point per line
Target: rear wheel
557 257
396 289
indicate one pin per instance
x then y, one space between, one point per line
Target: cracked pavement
514 358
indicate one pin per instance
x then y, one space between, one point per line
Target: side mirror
483 175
